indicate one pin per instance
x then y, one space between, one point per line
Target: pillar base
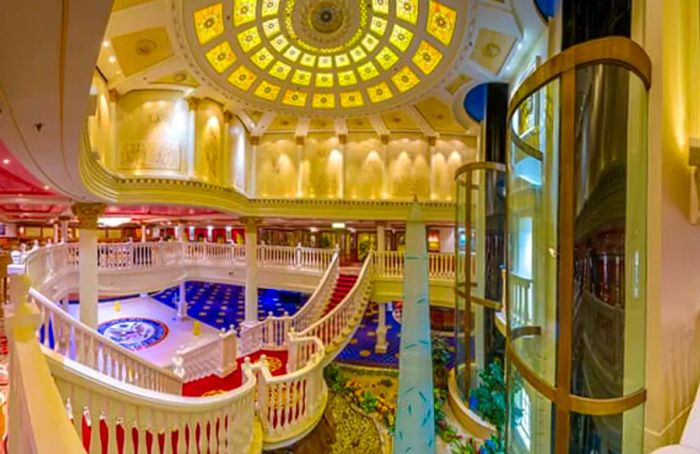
382 346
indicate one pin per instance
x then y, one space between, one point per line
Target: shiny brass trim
480 165
522 331
613 50
490 304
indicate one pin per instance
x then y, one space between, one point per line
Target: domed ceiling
343 57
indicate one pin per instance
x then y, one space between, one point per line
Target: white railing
337 327
389 264
60 332
218 424
271 333
288 405
297 257
520 300
218 357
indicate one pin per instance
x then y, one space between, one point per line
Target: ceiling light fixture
46 188
5 161
112 59
113 221
105 43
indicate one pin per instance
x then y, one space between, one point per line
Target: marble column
381 345
182 302
56 233
178 232
415 420
87 214
144 231
251 276
64 228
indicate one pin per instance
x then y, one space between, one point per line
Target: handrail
218 356
331 329
272 331
73 339
389 264
222 422
35 406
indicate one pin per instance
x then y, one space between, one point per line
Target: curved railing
272 332
336 328
389 264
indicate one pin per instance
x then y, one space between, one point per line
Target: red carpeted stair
343 286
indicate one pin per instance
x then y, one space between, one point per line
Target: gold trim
480 165
613 49
522 331
490 304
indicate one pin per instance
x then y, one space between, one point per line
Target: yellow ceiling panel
249 38
271 27
427 57
221 57
401 37
292 53
368 71
209 22
357 54
267 90
242 78
491 49
280 43
438 115
323 101
280 70
243 11
380 6
351 99
301 77
405 79
398 120
308 60
457 83
270 7
139 50
407 10
262 58
124 4
178 78
370 42
342 60
441 22
295 98
386 58
378 25
324 80
346 78
379 92
325 62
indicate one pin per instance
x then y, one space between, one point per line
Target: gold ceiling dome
321 57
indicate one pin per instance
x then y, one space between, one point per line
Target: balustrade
218 356
441 265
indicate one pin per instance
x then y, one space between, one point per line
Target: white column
178 232
87 252
250 158
64 229
300 161
381 346
55 233
143 233
228 234
182 302
251 276
192 105
112 154
381 245
210 233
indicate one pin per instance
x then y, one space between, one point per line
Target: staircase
343 285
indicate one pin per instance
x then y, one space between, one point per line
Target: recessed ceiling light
112 59
5 161
105 43
46 188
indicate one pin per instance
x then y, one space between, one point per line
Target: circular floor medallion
134 333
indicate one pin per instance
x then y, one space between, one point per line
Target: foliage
490 395
463 446
441 358
335 379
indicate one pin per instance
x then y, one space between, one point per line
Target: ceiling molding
421 122
263 124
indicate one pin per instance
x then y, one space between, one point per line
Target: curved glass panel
612 434
530 418
532 205
461 342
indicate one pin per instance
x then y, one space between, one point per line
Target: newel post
228 346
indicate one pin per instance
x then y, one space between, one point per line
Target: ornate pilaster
192 106
87 214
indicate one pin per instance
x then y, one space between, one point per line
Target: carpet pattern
360 349
223 305
134 333
212 384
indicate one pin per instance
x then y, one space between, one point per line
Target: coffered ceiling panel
142 49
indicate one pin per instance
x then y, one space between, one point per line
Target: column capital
193 103
64 218
250 222
228 116
87 214
113 95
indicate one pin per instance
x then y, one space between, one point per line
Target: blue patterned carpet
220 305
360 349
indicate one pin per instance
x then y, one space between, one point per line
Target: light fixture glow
115 221
338 225
105 43
6 161
112 59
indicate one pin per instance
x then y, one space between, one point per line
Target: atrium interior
349 226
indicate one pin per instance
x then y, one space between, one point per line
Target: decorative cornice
113 95
193 103
87 214
228 116
250 222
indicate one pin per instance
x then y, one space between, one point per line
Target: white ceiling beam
379 126
341 127
302 129
136 18
263 124
421 122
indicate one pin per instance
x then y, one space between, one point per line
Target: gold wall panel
408 168
322 166
142 49
209 126
151 132
364 166
448 156
276 166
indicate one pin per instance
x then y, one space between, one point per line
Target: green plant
490 395
463 446
335 379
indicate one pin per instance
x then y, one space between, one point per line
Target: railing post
228 348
